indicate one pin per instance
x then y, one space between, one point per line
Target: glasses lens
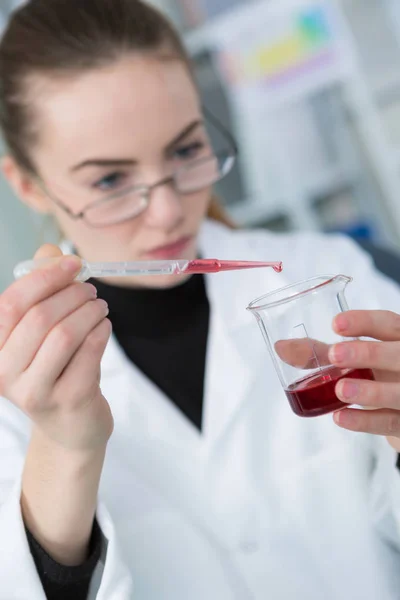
111 211
203 173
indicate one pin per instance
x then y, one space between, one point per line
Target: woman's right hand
53 333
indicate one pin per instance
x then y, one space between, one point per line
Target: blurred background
311 91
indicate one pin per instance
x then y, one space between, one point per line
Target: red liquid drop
315 395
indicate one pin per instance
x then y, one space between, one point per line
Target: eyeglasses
131 201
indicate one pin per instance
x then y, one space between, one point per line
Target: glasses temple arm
217 123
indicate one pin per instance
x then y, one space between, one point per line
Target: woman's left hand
383 357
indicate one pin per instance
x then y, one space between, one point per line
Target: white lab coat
263 505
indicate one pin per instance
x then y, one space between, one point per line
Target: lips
173 250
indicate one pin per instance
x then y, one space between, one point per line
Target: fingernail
105 306
72 264
346 418
336 417
340 353
347 390
102 303
341 323
93 290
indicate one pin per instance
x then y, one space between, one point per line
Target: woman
185 475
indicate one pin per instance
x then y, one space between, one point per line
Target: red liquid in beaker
315 395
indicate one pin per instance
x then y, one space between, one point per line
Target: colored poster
282 49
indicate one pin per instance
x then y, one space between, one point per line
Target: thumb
48 251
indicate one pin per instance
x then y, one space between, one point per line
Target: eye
110 182
189 152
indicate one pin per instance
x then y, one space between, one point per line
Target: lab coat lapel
164 450
227 377
142 407
236 351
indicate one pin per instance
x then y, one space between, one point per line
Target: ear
24 185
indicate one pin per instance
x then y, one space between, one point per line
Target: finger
23 294
30 333
303 353
379 324
48 251
379 422
82 374
62 342
366 355
373 394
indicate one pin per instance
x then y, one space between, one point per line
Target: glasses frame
146 190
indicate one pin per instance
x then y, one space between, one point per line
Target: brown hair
63 37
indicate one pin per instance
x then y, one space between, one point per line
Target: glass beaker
296 323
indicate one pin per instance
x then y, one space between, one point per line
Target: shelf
325 183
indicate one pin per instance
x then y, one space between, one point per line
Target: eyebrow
123 162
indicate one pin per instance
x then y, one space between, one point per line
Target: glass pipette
158 267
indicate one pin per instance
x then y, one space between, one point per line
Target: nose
165 207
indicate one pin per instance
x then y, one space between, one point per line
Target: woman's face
132 123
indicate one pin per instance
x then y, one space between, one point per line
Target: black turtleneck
164 333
